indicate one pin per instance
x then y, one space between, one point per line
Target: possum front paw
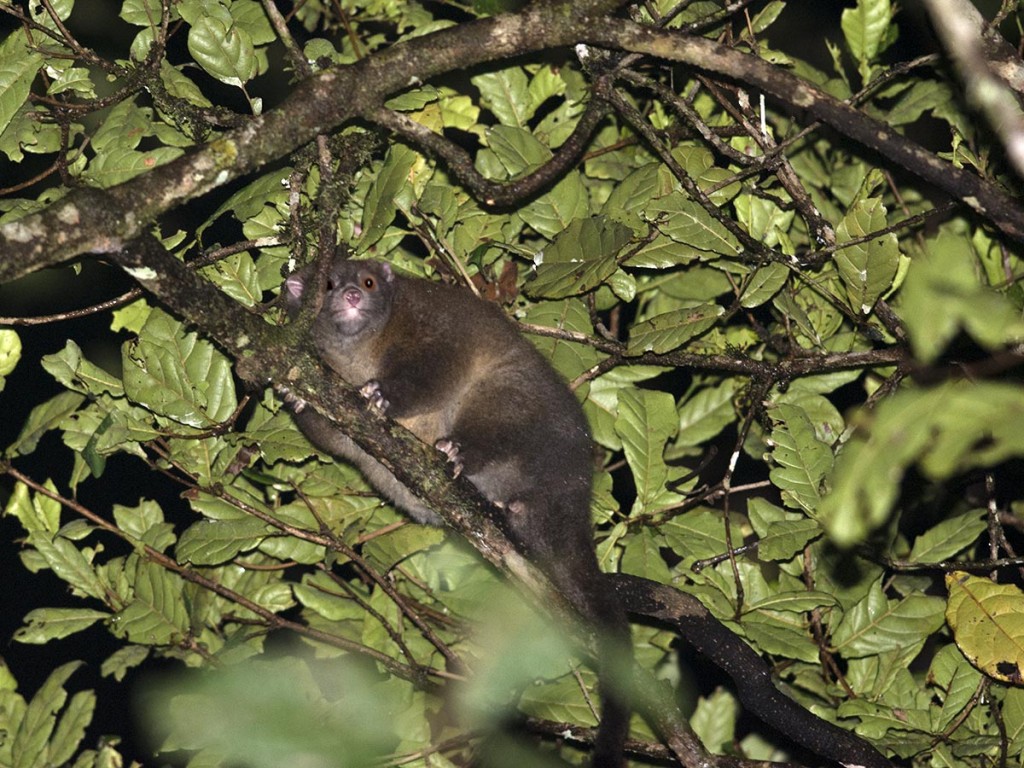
451 449
371 391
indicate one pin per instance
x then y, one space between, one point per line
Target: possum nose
353 296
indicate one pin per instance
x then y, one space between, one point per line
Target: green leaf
69 564
10 353
958 681
867 269
876 624
380 206
224 50
580 259
670 330
125 658
177 374
45 624
29 747
18 67
145 523
866 28
943 430
763 284
71 728
714 721
802 461
120 164
689 224
212 542
780 633
141 13
949 537
236 275
696 535
42 419
552 212
38 513
76 373
785 538
506 94
941 295
642 557
157 614
645 423
706 413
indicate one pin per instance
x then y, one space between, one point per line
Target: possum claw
295 403
451 449
371 391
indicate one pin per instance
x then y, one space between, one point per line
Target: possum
456 372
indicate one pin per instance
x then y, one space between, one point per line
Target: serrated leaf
157 614
782 634
642 557
177 374
236 275
42 419
714 721
120 164
689 224
646 420
697 535
380 206
45 624
877 624
506 93
670 330
867 269
224 50
631 196
76 373
553 211
141 13
580 259
10 353
71 728
945 278
18 66
37 513
949 537
69 564
706 413
866 28
122 660
763 284
988 624
802 461
28 749
212 542
787 537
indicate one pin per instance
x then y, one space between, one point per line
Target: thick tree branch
91 220
990 70
984 198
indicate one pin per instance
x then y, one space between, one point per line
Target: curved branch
986 199
748 671
491 193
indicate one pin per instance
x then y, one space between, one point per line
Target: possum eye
369 283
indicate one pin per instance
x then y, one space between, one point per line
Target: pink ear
385 269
